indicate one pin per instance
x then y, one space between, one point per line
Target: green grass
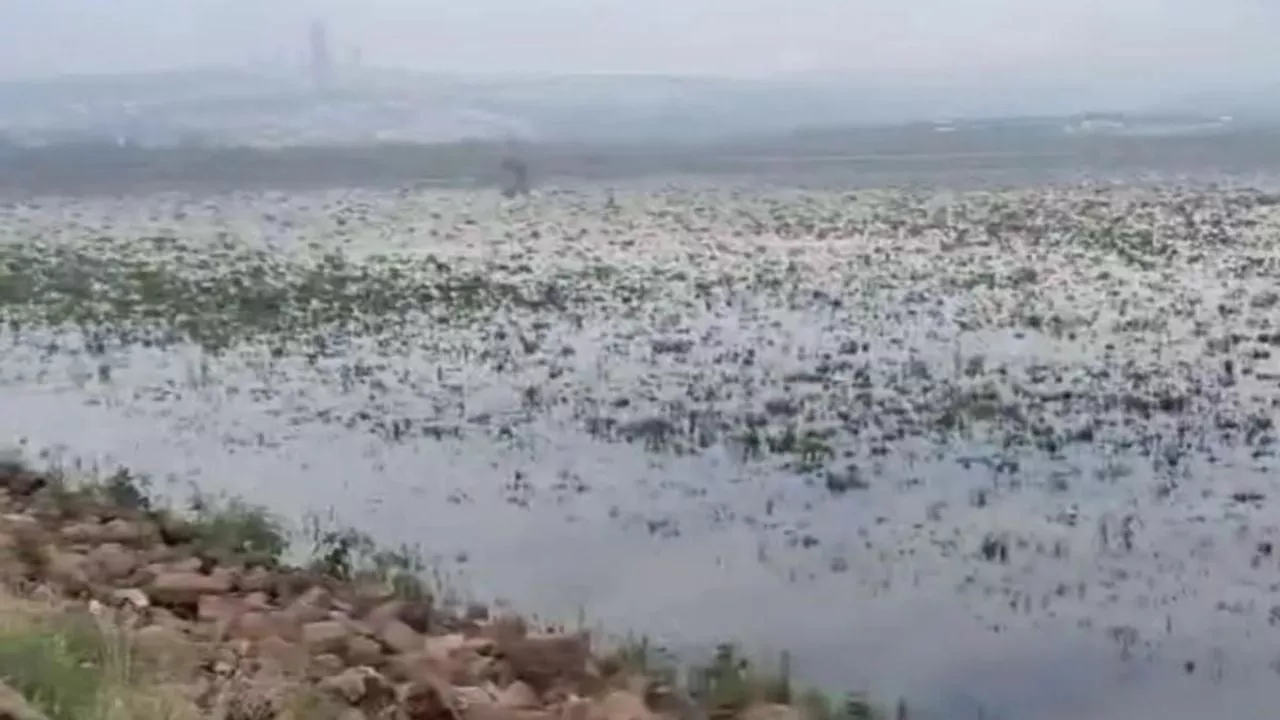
72 666
729 683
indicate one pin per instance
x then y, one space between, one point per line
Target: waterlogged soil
1006 454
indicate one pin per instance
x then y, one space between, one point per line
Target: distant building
321 61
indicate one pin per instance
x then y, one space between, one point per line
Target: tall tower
321 62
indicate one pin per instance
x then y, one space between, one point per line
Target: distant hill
241 106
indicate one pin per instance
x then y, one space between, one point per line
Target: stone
359 686
362 650
130 597
325 665
83 533
429 698
324 636
517 695
622 705
126 533
399 637
69 570
542 660
163 644
185 588
112 562
772 711
284 655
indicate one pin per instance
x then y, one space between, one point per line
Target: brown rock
257 580
488 711
542 660
112 562
252 625
383 613
517 695
324 636
220 609
363 650
288 657
417 615
186 565
622 705
185 588
444 646
164 644
311 606
286 625
69 570
467 695
130 597
772 711
126 533
257 600
326 665
359 686
429 699
399 637
83 533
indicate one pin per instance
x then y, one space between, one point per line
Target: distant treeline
911 154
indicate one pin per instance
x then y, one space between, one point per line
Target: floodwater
1134 586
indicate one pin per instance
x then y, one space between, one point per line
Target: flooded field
1005 454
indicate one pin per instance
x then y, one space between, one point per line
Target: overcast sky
1169 41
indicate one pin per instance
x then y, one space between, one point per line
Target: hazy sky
1170 41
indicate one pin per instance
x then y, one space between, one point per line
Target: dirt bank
112 608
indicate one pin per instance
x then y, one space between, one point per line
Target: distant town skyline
928 41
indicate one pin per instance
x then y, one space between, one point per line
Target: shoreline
355 629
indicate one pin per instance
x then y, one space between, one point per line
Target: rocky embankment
253 640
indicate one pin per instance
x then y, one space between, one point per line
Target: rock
254 625
399 637
360 686
15 707
130 597
542 660
126 533
468 695
311 606
68 570
772 711
622 705
517 695
325 665
257 580
220 609
324 636
186 564
287 657
112 562
363 650
165 645
429 698
185 588
442 647
489 711
83 533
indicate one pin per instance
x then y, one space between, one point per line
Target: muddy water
881 588
1135 585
